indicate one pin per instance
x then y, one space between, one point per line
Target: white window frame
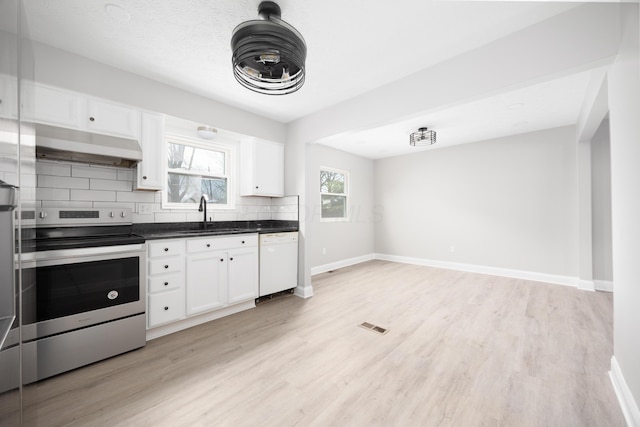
347 186
229 151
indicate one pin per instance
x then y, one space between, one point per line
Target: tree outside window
194 170
333 194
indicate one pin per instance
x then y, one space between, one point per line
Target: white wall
601 204
508 203
346 240
624 104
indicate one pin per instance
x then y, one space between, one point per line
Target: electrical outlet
145 208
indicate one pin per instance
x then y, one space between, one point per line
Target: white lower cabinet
165 281
221 271
243 275
166 307
206 272
191 276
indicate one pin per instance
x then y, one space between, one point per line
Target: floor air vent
374 328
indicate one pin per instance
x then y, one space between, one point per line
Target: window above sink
195 168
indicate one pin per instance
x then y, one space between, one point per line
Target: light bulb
272 58
252 72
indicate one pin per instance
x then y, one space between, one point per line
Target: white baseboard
495 271
603 285
340 264
625 398
170 328
587 285
303 291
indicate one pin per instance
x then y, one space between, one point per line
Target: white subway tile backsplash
52 168
93 195
104 184
65 184
139 219
131 206
125 175
29 193
136 196
285 216
28 180
197 216
225 216
66 204
86 171
249 216
50 194
264 216
51 181
170 217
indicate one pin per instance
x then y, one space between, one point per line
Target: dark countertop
175 230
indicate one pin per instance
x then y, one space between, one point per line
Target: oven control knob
111 215
112 295
123 214
43 215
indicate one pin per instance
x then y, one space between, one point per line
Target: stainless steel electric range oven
83 292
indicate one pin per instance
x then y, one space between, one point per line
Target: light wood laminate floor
462 349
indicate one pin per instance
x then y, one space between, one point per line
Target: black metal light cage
269 55
422 137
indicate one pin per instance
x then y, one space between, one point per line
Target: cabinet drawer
166 307
165 265
221 243
166 282
166 248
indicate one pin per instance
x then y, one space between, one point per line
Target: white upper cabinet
262 168
59 107
150 171
50 105
114 119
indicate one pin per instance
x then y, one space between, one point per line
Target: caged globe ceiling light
268 54
422 137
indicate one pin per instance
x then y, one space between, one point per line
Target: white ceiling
542 106
354 47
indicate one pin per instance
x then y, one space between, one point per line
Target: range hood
56 143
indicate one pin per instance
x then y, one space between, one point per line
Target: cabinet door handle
166 266
231 259
92 119
166 249
208 245
243 242
166 308
144 177
257 187
221 259
166 283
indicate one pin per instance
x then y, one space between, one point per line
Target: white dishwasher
278 262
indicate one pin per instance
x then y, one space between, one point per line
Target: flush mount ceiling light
422 137
268 54
207 132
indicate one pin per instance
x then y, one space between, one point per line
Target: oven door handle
31 258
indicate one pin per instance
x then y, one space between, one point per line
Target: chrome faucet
203 208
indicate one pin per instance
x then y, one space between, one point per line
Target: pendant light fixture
422 137
268 54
